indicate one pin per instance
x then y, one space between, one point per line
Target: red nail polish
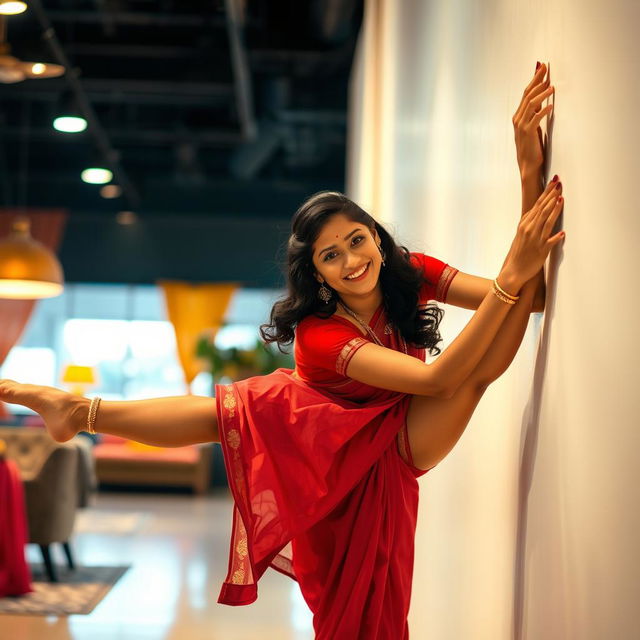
558 185
555 178
537 66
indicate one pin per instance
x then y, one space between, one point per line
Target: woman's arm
507 342
468 291
531 183
387 369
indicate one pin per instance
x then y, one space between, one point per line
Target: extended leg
164 422
434 425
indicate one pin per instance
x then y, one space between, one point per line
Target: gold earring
382 254
324 293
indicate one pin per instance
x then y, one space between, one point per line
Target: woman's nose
351 260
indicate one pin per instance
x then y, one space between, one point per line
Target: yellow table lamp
79 377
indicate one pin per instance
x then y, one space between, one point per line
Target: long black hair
400 281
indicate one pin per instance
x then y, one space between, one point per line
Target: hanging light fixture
13 69
12 7
28 270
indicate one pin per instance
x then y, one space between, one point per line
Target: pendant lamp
28 270
12 7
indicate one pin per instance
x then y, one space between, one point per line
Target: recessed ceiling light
70 124
96 175
126 217
110 191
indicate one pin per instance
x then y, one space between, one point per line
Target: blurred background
212 121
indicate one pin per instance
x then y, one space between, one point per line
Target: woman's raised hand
57 408
533 240
530 147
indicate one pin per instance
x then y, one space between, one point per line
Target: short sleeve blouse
324 347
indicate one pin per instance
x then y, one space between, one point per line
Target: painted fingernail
537 66
560 199
559 185
555 178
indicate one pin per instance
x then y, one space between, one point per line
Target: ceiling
217 118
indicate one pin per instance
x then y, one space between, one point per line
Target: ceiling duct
332 21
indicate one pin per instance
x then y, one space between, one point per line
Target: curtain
371 113
47 227
194 309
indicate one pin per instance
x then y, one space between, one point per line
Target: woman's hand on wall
526 124
533 240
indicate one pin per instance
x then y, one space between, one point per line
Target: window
122 331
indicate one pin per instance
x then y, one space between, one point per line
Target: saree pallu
322 495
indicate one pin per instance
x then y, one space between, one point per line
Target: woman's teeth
358 273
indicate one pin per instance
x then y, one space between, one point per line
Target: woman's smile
360 274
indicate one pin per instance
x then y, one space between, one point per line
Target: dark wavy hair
400 281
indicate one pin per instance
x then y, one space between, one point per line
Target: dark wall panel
247 251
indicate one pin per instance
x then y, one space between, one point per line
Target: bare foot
61 411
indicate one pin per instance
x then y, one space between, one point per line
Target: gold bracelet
502 296
503 292
93 412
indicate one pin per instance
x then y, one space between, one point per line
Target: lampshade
78 374
28 270
12 7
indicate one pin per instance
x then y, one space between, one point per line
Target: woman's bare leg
434 425
163 422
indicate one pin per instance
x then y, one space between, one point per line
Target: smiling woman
322 460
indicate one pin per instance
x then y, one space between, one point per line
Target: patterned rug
77 592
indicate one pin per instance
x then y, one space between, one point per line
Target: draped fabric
324 487
47 227
194 310
15 577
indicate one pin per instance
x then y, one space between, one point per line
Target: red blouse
324 347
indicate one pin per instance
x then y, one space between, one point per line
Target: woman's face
340 253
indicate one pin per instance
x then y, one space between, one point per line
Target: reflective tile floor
177 545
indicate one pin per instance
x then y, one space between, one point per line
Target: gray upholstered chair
58 478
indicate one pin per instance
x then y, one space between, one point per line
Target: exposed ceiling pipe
110 155
240 68
138 18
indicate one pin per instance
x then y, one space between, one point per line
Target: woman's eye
359 239
329 256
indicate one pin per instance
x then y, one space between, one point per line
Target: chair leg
67 552
46 556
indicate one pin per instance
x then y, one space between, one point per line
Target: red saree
322 479
15 576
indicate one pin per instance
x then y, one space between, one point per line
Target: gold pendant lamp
28 270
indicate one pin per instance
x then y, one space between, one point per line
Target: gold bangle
502 297
503 292
93 412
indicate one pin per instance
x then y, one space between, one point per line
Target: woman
322 460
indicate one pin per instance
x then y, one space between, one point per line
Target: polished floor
177 546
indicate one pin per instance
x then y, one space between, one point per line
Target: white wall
529 528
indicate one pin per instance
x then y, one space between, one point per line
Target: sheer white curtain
527 529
